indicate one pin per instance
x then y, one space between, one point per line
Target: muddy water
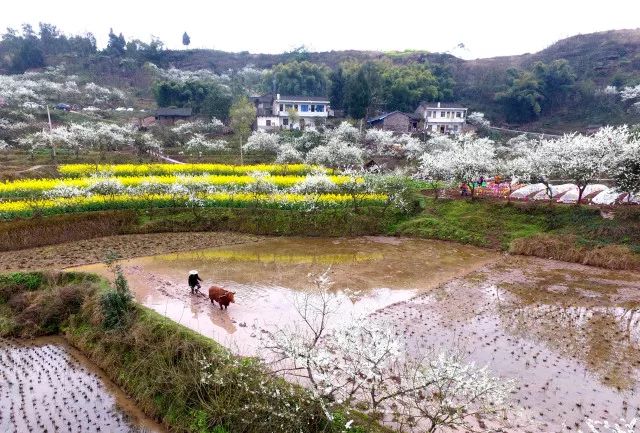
368 274
45 386
568 334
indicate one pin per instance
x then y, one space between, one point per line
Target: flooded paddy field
568 334
368 274
46 386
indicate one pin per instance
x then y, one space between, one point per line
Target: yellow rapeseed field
24 187
82 170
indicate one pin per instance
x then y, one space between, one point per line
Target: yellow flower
80 170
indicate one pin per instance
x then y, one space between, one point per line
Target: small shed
169 116
396 121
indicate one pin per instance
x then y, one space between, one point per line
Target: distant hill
598 59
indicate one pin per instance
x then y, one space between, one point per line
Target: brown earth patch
125 246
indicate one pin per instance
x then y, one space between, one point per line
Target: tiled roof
303 98
384 116
442 105
182 112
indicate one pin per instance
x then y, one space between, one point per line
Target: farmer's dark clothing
194 281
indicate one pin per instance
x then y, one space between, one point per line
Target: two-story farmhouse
442 117
289 112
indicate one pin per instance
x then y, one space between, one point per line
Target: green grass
478 223
532 229
329 222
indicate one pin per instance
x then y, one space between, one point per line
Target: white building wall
267 123
445 120
322 114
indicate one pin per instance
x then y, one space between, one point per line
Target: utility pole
51 143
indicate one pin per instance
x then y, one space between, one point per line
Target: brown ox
221 296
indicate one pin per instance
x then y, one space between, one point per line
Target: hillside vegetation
570 85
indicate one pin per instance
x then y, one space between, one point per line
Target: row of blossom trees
101 136
32 90
611 153
192 137
342 147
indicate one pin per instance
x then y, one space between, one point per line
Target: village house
442 117
169 116
396 121
275 112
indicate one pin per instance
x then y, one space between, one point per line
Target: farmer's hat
193 272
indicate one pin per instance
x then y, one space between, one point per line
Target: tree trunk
580 193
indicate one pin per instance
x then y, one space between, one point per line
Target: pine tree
186 40
116 44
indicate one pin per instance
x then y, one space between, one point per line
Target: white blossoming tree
467 160
287 154
630 426
198 144
477 118
387 143
626 172
336 154
630 93
260 141
145 143
109 187
445 391
362 362
345 132
315 183
582 158
213 126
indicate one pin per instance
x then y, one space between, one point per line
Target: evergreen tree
116 44
336 94
186 40
29 56
358 97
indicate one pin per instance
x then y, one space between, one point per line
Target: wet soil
46 386
568 334
126 246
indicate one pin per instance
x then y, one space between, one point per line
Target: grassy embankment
569 233
187 381
34 232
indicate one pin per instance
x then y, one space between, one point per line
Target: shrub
117 304
47 310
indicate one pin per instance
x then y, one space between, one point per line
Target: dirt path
34 168
126 246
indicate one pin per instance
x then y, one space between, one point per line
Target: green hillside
558 89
